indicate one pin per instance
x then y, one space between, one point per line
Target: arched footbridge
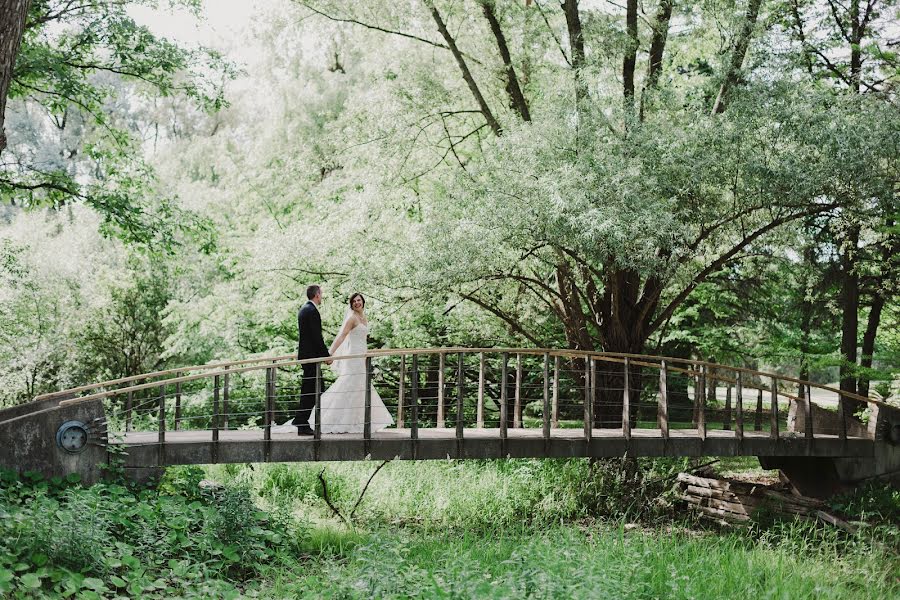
462 403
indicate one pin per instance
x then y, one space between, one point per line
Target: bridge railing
589 393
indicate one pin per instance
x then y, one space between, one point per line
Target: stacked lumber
728 502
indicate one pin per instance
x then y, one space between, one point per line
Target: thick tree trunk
732 75
849 313
868 344
630 59
576 45
12 24
657 49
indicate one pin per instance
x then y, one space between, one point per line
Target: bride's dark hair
353 297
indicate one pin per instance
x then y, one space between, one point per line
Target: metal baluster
503 397
479 417
401 392
215 415
739 407
626 403
367 412
414 398
440 406
662 416
773 433
460 390
546 412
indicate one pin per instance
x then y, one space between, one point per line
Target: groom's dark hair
311 291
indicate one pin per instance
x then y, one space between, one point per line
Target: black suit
310 345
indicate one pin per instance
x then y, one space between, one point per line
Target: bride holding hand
344 403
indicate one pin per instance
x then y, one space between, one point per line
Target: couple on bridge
343 404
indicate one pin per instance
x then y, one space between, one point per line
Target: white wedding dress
344 403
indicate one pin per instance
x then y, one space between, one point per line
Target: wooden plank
546 412
440 398
626 402
773 432
555 408
662 415
460 391
503 395
739 407
479 417
401 391
517 408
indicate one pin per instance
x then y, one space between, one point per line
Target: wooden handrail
289 361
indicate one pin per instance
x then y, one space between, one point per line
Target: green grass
431 529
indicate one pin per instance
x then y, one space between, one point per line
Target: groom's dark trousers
310 345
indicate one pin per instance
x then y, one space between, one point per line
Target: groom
311 345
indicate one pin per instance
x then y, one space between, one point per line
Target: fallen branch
333 508
363 492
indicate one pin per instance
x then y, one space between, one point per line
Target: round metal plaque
72 436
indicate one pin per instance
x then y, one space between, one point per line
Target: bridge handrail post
414 399
225 396
773 432
441 383
662 415
460 391
589 368
517 406
757 417
504 393
367 411
739 407
162 414
401 391
270 404
177 405
726 425
546 412
808 416
215 413
700 392
554 422
317 407
842 419
129 403
479 416
626 402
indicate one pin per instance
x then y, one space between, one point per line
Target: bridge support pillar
30 439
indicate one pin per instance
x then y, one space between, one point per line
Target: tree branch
363 492
507 319
517 99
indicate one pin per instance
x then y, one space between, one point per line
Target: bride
343 405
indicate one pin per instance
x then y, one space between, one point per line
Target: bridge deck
198 447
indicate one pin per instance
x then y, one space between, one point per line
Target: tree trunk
732 75
516 97
12 23
657 48
630 60
849 313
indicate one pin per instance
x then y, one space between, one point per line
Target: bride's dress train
344 403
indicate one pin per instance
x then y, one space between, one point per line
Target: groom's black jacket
309 325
